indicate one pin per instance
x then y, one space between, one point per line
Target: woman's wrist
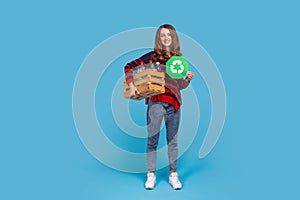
131 85
187 80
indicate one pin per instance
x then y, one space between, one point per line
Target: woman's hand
189 76
133 90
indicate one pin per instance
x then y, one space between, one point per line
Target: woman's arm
129 67
183 83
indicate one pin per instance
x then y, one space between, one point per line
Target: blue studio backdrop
254 44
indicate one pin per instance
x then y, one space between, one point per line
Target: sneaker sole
174 187
150 188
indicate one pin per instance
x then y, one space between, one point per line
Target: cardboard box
148 83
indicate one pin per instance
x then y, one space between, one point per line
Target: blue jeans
155 113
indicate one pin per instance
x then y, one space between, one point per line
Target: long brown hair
162 55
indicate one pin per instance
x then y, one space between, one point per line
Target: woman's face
165 38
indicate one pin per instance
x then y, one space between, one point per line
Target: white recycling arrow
177 71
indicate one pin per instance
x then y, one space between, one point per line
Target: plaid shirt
172 86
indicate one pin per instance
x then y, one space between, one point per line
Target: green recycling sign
177 67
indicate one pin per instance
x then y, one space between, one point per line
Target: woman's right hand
133 90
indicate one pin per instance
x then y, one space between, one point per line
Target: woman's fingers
134 91
190 75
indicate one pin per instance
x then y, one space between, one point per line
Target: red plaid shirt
172 86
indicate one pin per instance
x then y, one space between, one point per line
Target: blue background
255 46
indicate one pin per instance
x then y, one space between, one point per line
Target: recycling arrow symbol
177 67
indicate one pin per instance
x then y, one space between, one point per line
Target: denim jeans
155 113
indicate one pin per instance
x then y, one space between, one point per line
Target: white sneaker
151 180
174 181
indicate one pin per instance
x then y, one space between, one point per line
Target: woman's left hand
189 75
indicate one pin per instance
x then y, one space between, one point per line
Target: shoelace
151 178
175 179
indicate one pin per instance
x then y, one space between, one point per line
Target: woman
166 105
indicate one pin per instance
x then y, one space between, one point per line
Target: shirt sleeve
129 67
183 84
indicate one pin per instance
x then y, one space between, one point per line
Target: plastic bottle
157 66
